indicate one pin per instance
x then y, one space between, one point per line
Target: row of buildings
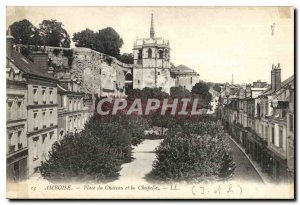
261 118
40 110
53 93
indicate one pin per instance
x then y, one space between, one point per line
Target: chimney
248 90
9 43
40 59
276 77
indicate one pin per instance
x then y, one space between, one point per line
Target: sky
217 42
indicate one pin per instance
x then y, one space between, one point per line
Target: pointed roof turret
152 32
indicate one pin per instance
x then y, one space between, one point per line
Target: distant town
52 96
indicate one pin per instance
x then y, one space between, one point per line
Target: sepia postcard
150 103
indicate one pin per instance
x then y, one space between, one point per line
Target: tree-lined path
144 156
141 165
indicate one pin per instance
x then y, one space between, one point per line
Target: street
244 170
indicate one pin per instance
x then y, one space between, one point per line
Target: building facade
185 77
265 127
16 118
73 111
35 105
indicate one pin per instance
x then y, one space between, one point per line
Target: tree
201 90
179 92
85 38
96 153
126 58
25 33
146 93
106 41
109 42
217 87
53 34
193 152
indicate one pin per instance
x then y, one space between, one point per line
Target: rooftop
182 69
28 66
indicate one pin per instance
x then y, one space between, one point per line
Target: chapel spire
152 32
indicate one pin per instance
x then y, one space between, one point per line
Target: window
70 123
19 110
291 121
35 97
280 137
158 73
273 135
35 121
75 123
51 135
140 54
44 137
35 148
9 107
283 113
138 81
61 134
10 135
44 96
258 109
44 119
161 54
149 53
51 96
191 80
19 136
51 123
70 105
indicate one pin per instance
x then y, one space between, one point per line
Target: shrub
68 53
56 51
108 60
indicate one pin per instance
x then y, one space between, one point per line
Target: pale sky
215 41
